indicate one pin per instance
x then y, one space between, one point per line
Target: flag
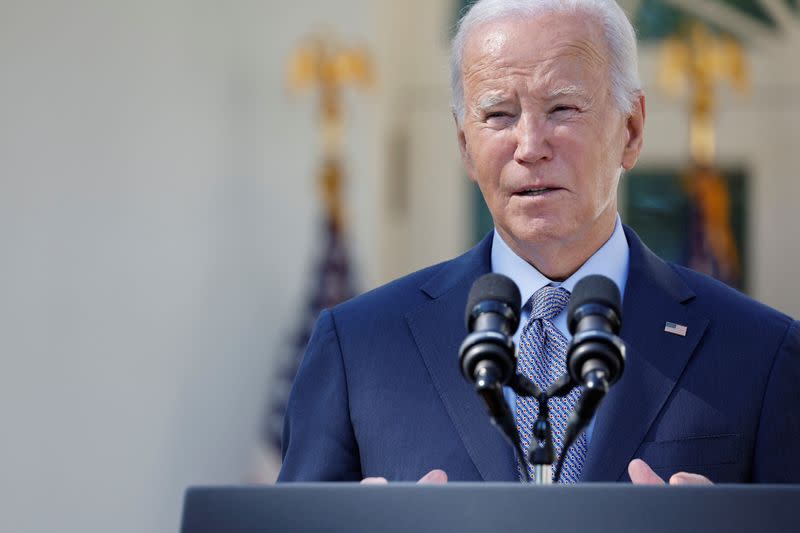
321 63
332 283
675 329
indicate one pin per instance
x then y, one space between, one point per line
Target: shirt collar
610 260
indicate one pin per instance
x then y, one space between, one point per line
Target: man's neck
560 259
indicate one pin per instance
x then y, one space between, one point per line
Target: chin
540 231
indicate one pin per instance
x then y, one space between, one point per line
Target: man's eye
498 118
563 108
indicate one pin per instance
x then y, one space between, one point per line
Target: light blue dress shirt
611 260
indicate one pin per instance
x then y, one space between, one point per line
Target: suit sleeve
318 439
777 451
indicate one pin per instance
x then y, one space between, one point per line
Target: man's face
541 134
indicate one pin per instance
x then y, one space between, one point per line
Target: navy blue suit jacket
379 392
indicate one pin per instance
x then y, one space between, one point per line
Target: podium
491 507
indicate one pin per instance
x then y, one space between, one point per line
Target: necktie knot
548 302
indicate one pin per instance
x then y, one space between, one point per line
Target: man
549 111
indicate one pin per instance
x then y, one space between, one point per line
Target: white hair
620 37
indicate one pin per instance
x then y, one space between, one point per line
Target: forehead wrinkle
485 76
491 65
563 61
588 50
480 69
582 50
488 51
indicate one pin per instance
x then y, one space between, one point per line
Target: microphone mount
595 360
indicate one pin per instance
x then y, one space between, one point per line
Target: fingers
374 481
434 477
685 478
641 473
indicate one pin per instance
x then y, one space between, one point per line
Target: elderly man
549 111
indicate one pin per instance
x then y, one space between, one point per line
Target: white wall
422 156
157 217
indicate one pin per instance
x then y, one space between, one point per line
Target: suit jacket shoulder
378 392
709 398
404 294
734 303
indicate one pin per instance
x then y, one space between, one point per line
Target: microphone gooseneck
596 354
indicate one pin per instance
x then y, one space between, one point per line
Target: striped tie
542 359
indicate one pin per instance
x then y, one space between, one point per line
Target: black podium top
490 507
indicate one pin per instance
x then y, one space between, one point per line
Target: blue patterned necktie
542 359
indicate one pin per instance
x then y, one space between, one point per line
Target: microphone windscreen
493 287
595 289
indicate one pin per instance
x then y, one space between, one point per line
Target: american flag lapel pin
675 329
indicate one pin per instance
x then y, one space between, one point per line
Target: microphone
492 316
596 355
487 354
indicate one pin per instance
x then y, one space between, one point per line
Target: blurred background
177 202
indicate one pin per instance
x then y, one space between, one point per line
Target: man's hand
641 474
434 477
639 471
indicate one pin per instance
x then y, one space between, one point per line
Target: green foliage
656 19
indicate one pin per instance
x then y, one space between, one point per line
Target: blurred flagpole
319 62
700 60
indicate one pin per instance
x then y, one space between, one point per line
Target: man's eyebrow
569 90
487 101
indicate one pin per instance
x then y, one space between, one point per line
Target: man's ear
634 126
462 146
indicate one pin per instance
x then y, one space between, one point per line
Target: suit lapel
654 295
438 329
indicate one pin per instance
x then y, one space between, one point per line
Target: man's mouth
535 192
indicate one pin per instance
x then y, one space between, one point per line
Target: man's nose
532 141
